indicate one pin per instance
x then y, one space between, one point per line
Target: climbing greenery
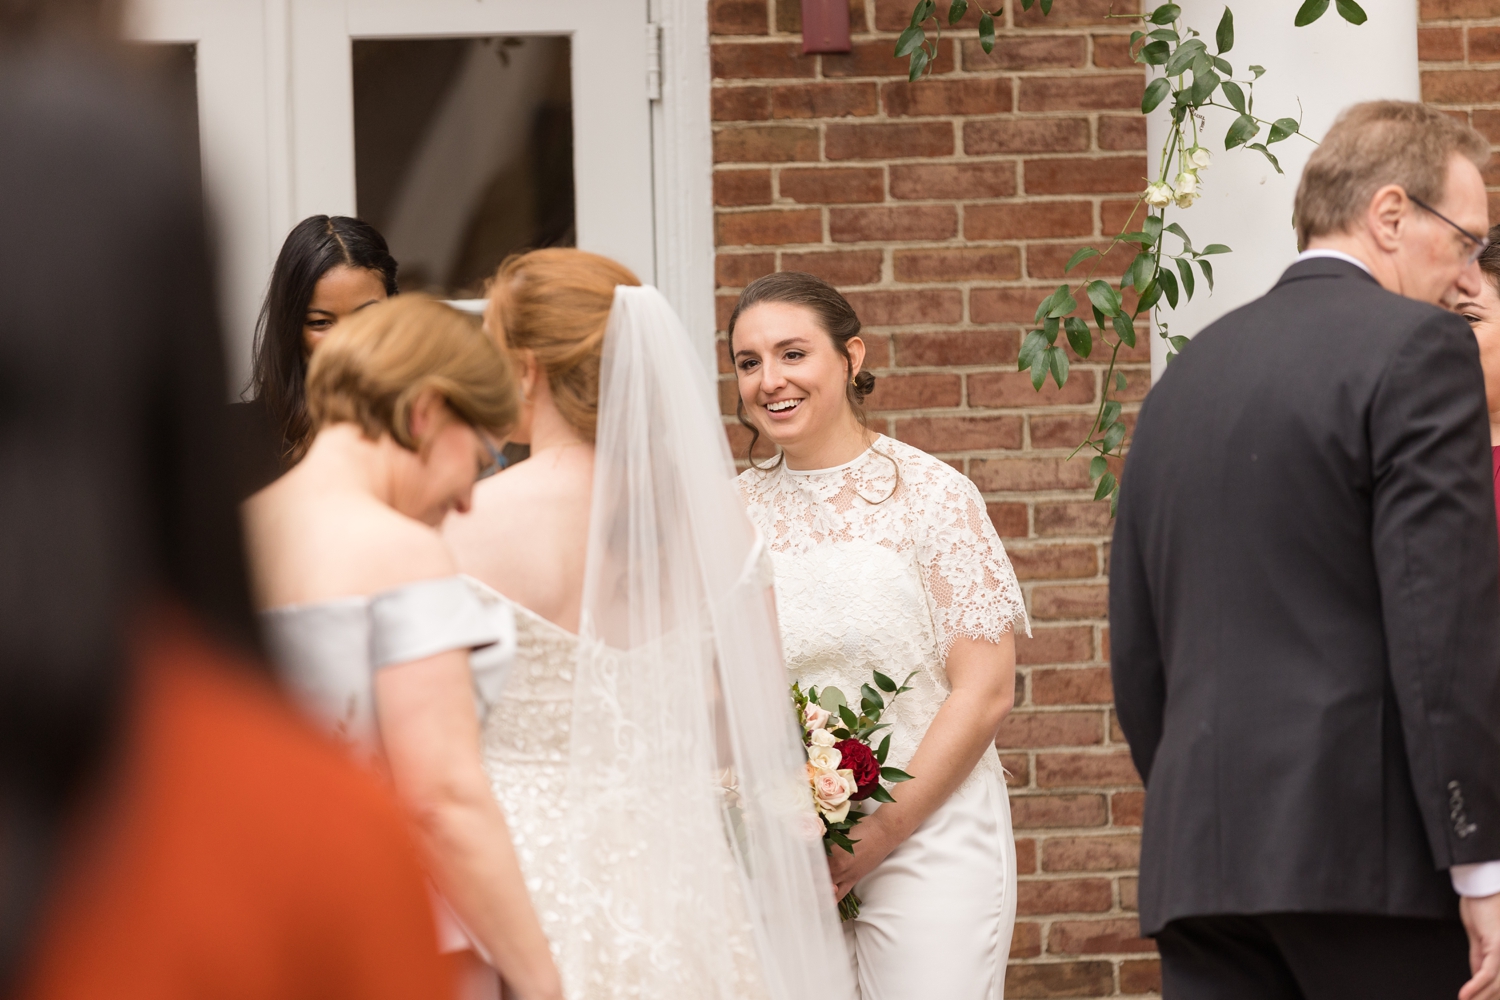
1188 73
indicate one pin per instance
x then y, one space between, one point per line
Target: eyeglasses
497 460
1480 242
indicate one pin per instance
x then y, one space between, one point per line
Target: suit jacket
1305 609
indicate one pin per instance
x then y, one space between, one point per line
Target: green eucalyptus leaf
1156 92
1104 297
1242 131
1079 256
956 11
1098 466
1059 365
1125 330
1165 14
1208 274
1259 71
1204 85
1079 336
911 39
1106 486
1155 53
1281 129
987 32
1150 295
1215 248
1310 12
1064 303
1185 269
1178 231
1168 282
1034 344
1351 11
1268 155
1224 33
1114 435
919 60
1234 94
830 698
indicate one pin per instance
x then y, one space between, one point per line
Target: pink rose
814 717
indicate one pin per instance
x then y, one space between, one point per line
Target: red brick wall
1458 48
946 211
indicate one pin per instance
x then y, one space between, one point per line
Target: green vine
1192 78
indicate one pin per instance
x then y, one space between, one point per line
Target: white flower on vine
1199 158
1159 195
1186 184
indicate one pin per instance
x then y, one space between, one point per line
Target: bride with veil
644 748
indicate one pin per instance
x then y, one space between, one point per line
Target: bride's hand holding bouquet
843 768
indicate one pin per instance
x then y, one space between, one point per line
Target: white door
439 96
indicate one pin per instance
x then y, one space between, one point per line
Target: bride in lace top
886 560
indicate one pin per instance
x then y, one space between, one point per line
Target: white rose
1158 195
814 716
821 738
1199 158
824 758
1186 199
831 791
1186 184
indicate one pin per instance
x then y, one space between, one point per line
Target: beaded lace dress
876 574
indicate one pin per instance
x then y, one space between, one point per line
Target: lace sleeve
969 578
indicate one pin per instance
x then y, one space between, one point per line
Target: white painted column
1246 205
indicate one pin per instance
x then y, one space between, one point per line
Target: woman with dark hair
886 560
329 268
168 828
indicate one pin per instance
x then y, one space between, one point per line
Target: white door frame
253 126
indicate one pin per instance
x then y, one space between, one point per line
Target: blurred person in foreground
1305 603
367 616
168 827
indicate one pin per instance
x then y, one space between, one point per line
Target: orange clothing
238 857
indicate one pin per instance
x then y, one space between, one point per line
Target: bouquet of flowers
842 767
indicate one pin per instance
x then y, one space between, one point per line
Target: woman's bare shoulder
311 546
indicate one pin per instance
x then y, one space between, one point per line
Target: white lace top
867 583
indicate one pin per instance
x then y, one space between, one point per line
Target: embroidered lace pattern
603 948
873 573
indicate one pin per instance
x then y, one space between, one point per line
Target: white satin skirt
936 916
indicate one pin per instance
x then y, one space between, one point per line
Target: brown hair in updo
1489 259
555 303
834 314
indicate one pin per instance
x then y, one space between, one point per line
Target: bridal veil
697 858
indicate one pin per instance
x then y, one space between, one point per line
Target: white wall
1327 65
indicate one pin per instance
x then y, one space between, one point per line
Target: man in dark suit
1305 603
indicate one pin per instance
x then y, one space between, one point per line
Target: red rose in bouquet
860 759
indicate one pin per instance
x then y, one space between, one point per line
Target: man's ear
1387 215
